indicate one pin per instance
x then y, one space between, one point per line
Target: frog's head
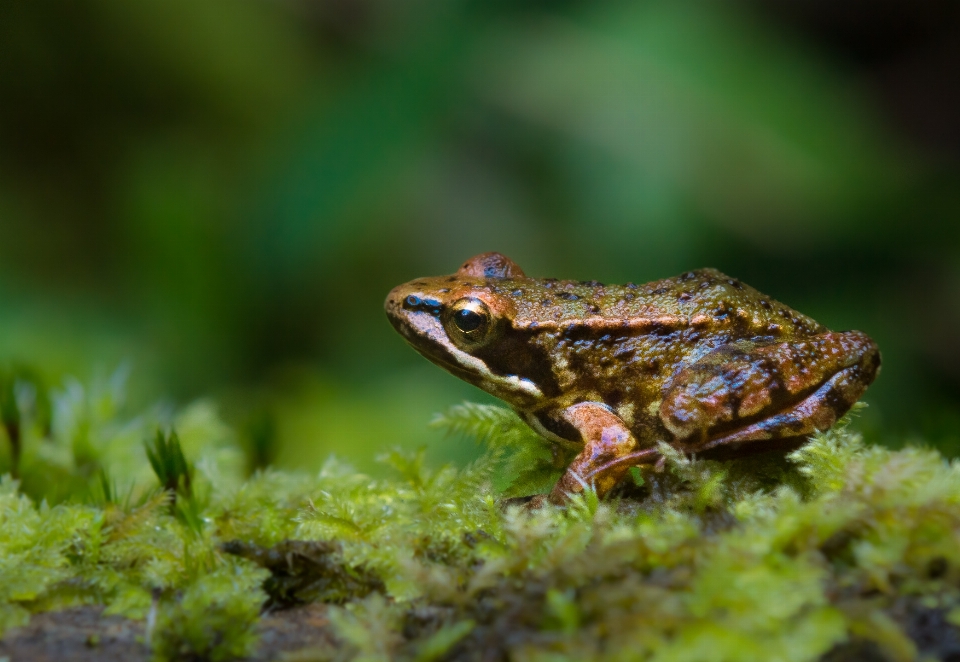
464 324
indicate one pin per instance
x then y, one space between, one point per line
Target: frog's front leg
606 443
750 392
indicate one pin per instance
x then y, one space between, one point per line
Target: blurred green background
220 194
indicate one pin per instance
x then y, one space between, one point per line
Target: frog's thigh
606 440
815 413
742 384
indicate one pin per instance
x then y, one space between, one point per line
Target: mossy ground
837 551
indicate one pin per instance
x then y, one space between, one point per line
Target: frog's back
705 299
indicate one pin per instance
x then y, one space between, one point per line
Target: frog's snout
393 304
399 310
390 303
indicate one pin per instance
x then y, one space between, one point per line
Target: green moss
838 546
214 617
307 571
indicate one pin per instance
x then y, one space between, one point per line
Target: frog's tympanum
700 361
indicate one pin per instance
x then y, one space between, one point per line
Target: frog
701 362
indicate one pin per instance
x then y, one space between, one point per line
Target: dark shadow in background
223 192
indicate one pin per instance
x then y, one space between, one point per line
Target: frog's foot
785 391
606 440
536 502
524 503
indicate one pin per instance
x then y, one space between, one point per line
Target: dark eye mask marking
413 302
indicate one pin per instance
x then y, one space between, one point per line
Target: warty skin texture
701 361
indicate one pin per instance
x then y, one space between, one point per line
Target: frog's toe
525 503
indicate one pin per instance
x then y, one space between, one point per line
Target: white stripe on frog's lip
421 328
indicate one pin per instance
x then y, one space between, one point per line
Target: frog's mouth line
448 365
428 339
426 335
503 386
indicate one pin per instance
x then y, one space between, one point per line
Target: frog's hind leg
788 429
773 393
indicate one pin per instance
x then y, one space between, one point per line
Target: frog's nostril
393 302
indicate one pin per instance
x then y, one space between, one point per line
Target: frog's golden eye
469 322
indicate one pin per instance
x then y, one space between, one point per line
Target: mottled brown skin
700 361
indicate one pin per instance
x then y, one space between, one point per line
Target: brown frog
700 361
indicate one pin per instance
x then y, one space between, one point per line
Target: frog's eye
469 322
